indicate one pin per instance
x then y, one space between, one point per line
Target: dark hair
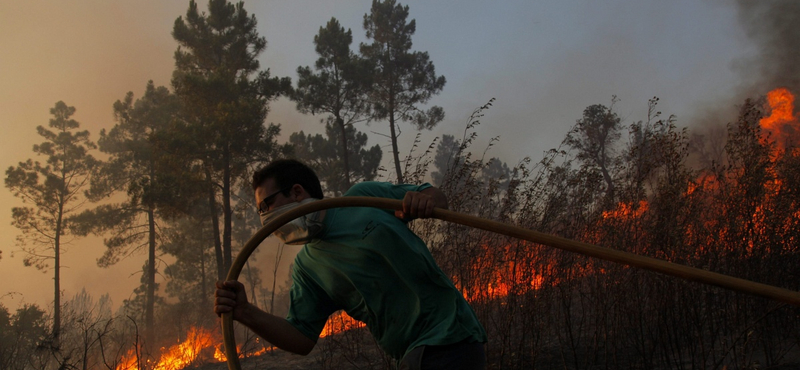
288 172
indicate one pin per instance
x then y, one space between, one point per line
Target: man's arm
420 204
232 298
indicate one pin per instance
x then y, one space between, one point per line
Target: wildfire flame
175 357
196 346
499 278
781 122
219 352
200 340
129 361
627 211
340 322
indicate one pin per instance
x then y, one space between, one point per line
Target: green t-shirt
368 263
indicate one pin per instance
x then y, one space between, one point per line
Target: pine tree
225 103
339 87
153 179
53 191
402 79
594 137
324 156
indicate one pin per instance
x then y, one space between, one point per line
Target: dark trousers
462 356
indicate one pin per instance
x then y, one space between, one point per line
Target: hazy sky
544 62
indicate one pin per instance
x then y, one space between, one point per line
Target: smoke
772 26
772 29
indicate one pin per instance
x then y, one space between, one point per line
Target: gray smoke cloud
774 28
771 27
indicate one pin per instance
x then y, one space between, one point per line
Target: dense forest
170 182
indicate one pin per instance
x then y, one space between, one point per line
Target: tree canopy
340 87
403 80
323 155
225 99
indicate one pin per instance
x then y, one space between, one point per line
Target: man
367 262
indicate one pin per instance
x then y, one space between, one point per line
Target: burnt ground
275 360
369 356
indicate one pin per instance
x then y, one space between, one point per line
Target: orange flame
340 322
705 181
781 121
178 356
627 211
129 361
497 277
494 277
198 340
219 352
183 354
175 357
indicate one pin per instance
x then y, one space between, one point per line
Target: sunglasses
263 207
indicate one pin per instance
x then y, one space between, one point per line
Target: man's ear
298 191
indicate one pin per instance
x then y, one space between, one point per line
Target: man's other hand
230 297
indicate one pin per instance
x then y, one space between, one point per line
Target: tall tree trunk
395 152
57 269
203 283
226 209
251 277
393 132
609 183
57 283
151 275
340 123
606 176
278 255
212 203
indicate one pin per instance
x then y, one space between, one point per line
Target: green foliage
140 165
448 161
445 158
594 137
340 88
324 156
6 339
342 79
154 179
192 275
214 65
53 188
402 80
225 104
462 175
21 334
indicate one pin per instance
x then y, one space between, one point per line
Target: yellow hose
669 268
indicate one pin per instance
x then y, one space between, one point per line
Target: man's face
273 195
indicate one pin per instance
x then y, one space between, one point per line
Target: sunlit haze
544 62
